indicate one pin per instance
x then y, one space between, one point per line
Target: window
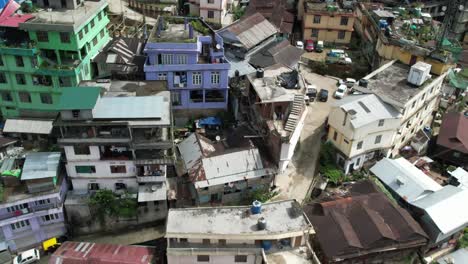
85 169
317 19
20 79
196 78
210 14
51 217
120 186
315 33
93 186
64 37
344 21
102 33
17 207
182 59
203 258
341 34
357 162
2 77
402 139
381 122
346 141
196 96
91 24
206 241
180 79
19 224
65 81
222 242
210 1
24 97
215 77
76 113
81 150
214 95
335 136
86 29
94 41
176 98
162 76
240 258
99 16
432 90
359 145
42 36
118 169
167 59
378 139
456 154
42 202
19 61
46 98
183 240
1 61
6 96
80 34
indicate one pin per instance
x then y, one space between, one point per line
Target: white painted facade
287 148
210 10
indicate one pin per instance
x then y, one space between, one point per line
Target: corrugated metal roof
405 179
190 151
459 256
250 30
28 126
152 192
446 208
40 165
367 108
87 98
129 107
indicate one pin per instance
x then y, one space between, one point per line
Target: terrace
320 6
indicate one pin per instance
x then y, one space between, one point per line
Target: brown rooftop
454 132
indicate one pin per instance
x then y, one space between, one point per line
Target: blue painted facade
26 223
198 74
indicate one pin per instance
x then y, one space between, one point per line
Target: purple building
190 56
34 189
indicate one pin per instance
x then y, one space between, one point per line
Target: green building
46 46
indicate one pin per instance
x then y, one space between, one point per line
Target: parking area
295 182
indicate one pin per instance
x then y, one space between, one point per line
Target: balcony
151 173
27 211
92 135
187 247
151 138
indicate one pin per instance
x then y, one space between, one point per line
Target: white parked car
299 44
349 82
26 257
341 91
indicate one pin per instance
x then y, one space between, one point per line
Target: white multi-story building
117 143
361 126
412 91
210 10
263 233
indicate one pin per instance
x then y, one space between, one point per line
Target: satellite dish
218 46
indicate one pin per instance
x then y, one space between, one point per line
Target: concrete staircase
296 111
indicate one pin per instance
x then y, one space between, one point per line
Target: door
46 3
413 60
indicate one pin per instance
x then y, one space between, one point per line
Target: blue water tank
256 207
383 24
266 244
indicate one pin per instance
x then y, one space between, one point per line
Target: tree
238 12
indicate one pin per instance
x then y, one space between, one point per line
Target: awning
28 126
152 192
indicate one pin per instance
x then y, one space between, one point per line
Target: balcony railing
28 210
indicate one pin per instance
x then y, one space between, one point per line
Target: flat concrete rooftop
282 217
391 84
173 33
65 17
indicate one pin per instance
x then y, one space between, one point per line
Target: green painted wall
73 65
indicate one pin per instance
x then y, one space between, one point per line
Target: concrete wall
287 148
94 154
328 27
81 185
172 259
103 169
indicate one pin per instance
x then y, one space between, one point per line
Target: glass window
210 14
317 19
93 186
341 34
120 186
240 258
86 29
64 37
80 34
196 78
210 1
359 145
6 96
118 169
335 136
214 95
315 33
176 98
99 16
81 150
102 34
20 79
24 97
95 41
2 77
91 24
344 21
85 169
182 59
381 122
203 258
167 59
215 77
42 36
46 98
378 139
162 76
1 61
19 61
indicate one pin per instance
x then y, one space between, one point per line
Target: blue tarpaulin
210 121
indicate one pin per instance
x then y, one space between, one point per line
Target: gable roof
446 208
360 224
248 31
39 165
366 109
453 132
275 11
276 53
404 178
79 98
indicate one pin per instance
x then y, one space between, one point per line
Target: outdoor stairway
297 108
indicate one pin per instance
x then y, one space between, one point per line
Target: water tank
260 73
419 73
266 244
256 207
383 24
261 223
363 83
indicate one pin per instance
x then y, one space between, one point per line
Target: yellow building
327 22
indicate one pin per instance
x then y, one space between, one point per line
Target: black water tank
363 83
260 73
